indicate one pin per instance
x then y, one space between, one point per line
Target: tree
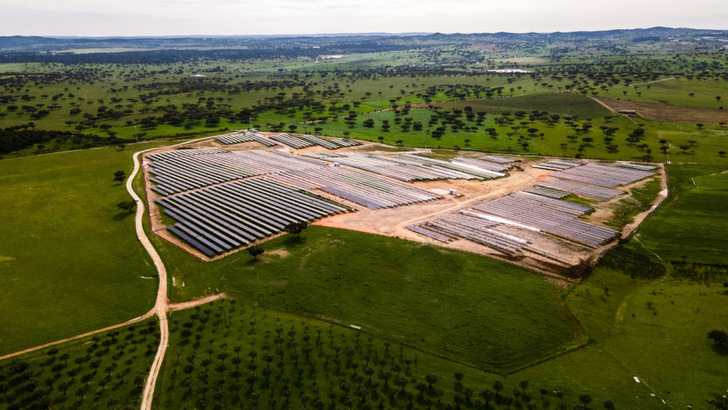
459 377
720 337
721 153
430 379
524 385
296 227
126 205
254 251
585 399
119 176
498 387
609 405
487 396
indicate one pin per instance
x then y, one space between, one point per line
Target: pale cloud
244 17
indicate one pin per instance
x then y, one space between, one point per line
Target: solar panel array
245 137
291 141
182 170
592 191
223 200
552 216
603 175
409 167
481 164
344 142
548 192
557 165
498 159
319 141
364 189
218 219
641 167
474 229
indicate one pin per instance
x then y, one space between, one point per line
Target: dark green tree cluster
105 371
227 355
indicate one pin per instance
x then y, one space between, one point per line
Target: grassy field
69 258
693 223
472 309
653 330
228 354
640 200
562 103
104 371
675 92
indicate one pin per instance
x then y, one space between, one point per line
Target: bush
635 264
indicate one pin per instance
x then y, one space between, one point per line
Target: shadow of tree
122 215
720 350
293 240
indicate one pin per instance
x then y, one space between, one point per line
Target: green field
69 258
353 278
693 224
563 104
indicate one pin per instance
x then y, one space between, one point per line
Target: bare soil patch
668 113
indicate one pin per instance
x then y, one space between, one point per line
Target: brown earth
668 113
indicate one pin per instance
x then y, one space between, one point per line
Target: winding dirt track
160 306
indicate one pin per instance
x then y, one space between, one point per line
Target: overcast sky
244 17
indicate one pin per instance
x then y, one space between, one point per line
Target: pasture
693 224
349 277
70 258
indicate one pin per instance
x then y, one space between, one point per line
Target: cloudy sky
244 17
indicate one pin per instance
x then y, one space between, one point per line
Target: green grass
69 258
106 370
640 200
663 343
674 92
209 363
472 309
693 224
554 103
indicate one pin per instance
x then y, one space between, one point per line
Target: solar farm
534 221
222 200
214 201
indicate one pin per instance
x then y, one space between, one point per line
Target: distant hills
61 44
